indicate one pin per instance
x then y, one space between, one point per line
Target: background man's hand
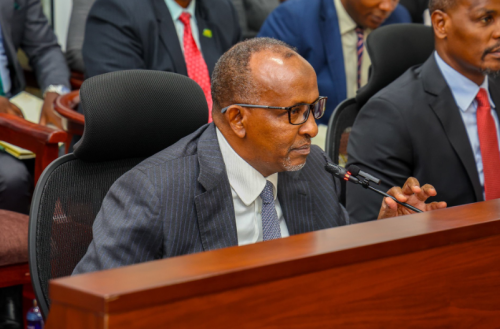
412 194
48 114
7 107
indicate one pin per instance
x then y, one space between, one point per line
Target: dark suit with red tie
413 127
140 34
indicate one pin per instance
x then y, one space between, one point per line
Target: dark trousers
15 184
15 195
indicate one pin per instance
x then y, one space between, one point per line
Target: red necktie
196 66
488 142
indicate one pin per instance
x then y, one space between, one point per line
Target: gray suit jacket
25 26
76 33
179 202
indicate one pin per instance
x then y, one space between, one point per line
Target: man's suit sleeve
40 45
281 25
128 228
111 42
380 145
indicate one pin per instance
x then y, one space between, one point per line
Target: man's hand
412 194
7 107
48 114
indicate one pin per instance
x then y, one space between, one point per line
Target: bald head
232 80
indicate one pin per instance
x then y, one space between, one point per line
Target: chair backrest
337 137
393 49
130 115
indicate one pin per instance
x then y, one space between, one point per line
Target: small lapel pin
16 6
207 33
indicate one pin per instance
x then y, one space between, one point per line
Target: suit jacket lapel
296 202
214 207
208 44
168 36
330 33
441 101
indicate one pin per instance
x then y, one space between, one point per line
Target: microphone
347 176
357 172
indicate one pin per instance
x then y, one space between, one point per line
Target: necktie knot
482 99
184 18
359 31
267 193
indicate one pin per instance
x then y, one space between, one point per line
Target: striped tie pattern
270 224
488 143
359 47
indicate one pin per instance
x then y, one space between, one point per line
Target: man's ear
236 119
440 21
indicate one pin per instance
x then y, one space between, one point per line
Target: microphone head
334 169
354 170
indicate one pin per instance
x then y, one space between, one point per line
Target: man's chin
289 166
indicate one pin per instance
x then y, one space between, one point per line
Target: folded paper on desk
31 106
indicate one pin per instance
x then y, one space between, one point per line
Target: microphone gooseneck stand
344 174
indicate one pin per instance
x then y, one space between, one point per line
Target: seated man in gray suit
239 180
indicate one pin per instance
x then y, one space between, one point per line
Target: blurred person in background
181 36
23 25
76 32
331 34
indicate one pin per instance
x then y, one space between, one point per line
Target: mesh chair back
69 193
339 128
393 49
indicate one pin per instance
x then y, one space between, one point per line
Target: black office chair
130 115
393 49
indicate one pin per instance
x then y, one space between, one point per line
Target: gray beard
492 74
289 167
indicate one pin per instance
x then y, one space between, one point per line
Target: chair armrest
41 140
72 121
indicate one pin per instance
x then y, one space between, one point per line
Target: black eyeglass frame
289 108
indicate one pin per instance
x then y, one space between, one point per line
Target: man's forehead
474 6
271 68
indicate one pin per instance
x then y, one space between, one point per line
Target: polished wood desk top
166 281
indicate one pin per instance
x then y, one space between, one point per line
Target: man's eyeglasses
297 114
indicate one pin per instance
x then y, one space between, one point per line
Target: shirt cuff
59 89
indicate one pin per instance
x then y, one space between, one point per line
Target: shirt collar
464 90
176 10
346 23
247 182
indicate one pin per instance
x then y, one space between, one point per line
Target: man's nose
309 127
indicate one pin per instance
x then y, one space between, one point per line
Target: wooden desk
437 269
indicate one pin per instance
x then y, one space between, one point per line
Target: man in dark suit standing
330 34
239 180
438 122
182 36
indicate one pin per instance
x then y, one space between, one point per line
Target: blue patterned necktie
359 48
270 224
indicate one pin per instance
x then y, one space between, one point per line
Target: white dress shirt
175 11
465 91
246 186
349 40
